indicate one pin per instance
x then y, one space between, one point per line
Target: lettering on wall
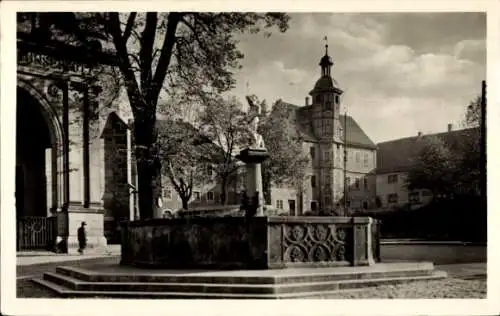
38 60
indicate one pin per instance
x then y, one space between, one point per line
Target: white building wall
393 193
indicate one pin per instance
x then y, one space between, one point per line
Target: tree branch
123 61
129 26
146 52
165 55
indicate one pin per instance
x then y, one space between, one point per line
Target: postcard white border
10 305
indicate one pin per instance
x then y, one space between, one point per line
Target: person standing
82 238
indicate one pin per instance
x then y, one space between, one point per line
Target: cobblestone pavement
465 281
37 270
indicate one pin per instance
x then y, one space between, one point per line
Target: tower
325 110
326 96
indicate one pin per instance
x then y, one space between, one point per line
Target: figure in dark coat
82 238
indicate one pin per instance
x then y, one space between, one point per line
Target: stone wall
255 243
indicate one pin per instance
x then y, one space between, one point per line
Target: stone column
130 180
254 185
85 149
253 159
92 215
62 170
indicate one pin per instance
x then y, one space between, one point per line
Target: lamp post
483 140
346 190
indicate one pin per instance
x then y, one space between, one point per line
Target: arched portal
37 155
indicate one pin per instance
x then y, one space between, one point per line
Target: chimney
307 101
450 127
419 134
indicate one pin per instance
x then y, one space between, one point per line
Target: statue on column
253 124
253 156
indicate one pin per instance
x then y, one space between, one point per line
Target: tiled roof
398 155
354 134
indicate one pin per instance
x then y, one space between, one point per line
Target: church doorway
36 175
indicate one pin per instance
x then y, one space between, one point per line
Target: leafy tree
226 125
181 147
473 113
453 167
287 161
434 167
470 147
189 54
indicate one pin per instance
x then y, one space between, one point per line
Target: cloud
396 69
474 50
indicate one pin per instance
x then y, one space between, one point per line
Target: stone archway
38 172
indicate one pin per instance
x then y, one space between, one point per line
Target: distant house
395 159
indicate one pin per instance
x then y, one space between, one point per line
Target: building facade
396 158
72 144
328 136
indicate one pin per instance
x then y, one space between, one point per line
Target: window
358 158
196 195
279 204
210 196
327 126
167 194
356 183
312 152
326 155
392 198
365 205
393 178
347 181
328 200
313 181
365 182
318 98
365 160
328 180
210 171
414 197
314 206
337 99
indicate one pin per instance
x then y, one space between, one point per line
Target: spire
326 62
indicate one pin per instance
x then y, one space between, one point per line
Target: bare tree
226 125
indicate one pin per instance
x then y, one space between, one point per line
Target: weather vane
326 43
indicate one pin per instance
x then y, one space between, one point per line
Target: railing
36 232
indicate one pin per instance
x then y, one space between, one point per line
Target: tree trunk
148 166
223 194
185 201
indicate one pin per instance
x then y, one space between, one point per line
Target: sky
401 72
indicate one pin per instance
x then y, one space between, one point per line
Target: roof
325 84
398 155
355 136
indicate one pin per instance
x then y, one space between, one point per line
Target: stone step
315 275
305 292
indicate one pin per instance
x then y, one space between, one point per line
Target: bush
461 219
